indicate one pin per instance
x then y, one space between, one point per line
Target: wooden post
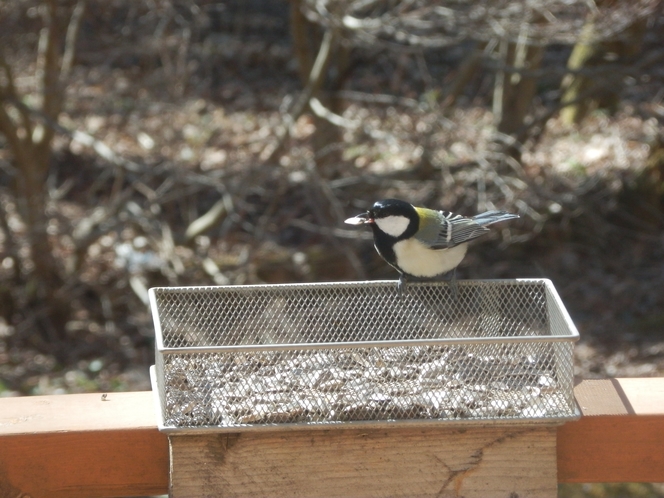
438 462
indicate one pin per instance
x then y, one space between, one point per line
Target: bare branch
48 61
429 24
11 248
209 219
47 74
8 129
378 98
313 85
8 92
103 150
70 40
323 112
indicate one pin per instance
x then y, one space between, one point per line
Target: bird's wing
491 217
443 229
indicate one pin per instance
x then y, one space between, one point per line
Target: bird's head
393 217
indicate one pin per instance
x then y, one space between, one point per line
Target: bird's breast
419 260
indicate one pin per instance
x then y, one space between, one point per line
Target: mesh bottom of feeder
294 355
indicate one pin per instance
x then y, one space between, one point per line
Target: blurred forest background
179 142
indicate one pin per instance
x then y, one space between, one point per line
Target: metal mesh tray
343 354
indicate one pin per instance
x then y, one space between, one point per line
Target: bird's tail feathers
491 217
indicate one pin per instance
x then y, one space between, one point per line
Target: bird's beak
360 219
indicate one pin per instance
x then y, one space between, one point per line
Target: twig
10 131
210 218
613 70
103 150
8 93
338 214
379 98
323 112
167 248
51 88
70 40
11 247
313 85
89 228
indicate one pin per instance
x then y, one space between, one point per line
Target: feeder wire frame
344 354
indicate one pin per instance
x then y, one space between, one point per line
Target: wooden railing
89 445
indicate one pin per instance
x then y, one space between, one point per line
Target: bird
423 243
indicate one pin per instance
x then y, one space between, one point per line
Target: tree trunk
43 290
307 38
467 70
29 135
514 92
584 93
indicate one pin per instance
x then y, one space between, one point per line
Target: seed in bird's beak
359 219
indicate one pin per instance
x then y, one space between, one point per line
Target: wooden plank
612 448
477 462
80 446
77 412
645 396
84 464
621 435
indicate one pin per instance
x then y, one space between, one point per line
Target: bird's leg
454 286
401 286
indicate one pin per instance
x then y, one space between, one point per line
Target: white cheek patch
393 225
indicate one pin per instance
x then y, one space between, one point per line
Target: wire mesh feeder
316 355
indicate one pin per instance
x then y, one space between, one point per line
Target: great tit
421 242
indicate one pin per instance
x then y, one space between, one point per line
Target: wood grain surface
477 462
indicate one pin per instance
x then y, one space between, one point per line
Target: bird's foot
454 286
401 286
